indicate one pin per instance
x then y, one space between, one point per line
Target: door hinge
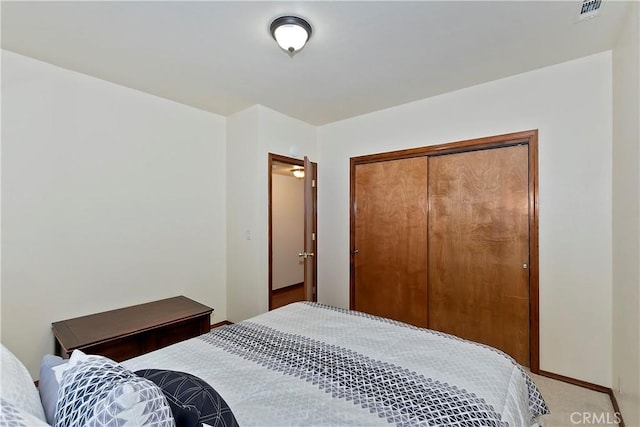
313 236
313 183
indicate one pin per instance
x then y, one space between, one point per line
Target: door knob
305 255
525 266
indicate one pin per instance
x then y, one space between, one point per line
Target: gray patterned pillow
99 392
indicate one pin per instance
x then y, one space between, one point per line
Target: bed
316 365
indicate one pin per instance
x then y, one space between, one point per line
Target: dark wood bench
131 331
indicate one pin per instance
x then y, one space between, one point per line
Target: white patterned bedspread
308 364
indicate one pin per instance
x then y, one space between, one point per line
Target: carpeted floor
571 405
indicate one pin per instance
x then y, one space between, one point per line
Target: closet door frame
529 138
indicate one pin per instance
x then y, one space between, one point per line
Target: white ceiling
363 56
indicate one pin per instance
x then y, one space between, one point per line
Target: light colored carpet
571 405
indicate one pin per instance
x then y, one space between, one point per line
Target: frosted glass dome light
291 33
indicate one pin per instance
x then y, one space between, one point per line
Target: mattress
316 365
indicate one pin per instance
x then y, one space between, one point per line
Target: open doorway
292 235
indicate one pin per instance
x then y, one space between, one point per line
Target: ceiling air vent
589 9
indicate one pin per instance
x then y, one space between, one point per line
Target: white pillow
14 417
48 385
17 387
76 357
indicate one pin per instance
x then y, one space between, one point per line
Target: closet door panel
479 247
391 239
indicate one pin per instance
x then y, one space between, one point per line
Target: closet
445 237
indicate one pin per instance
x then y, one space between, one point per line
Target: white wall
570 104
626 219
251 135
243 178
110 197
287 228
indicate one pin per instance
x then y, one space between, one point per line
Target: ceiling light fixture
291 33
298 172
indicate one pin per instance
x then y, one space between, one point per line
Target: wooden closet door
479 247
390 262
